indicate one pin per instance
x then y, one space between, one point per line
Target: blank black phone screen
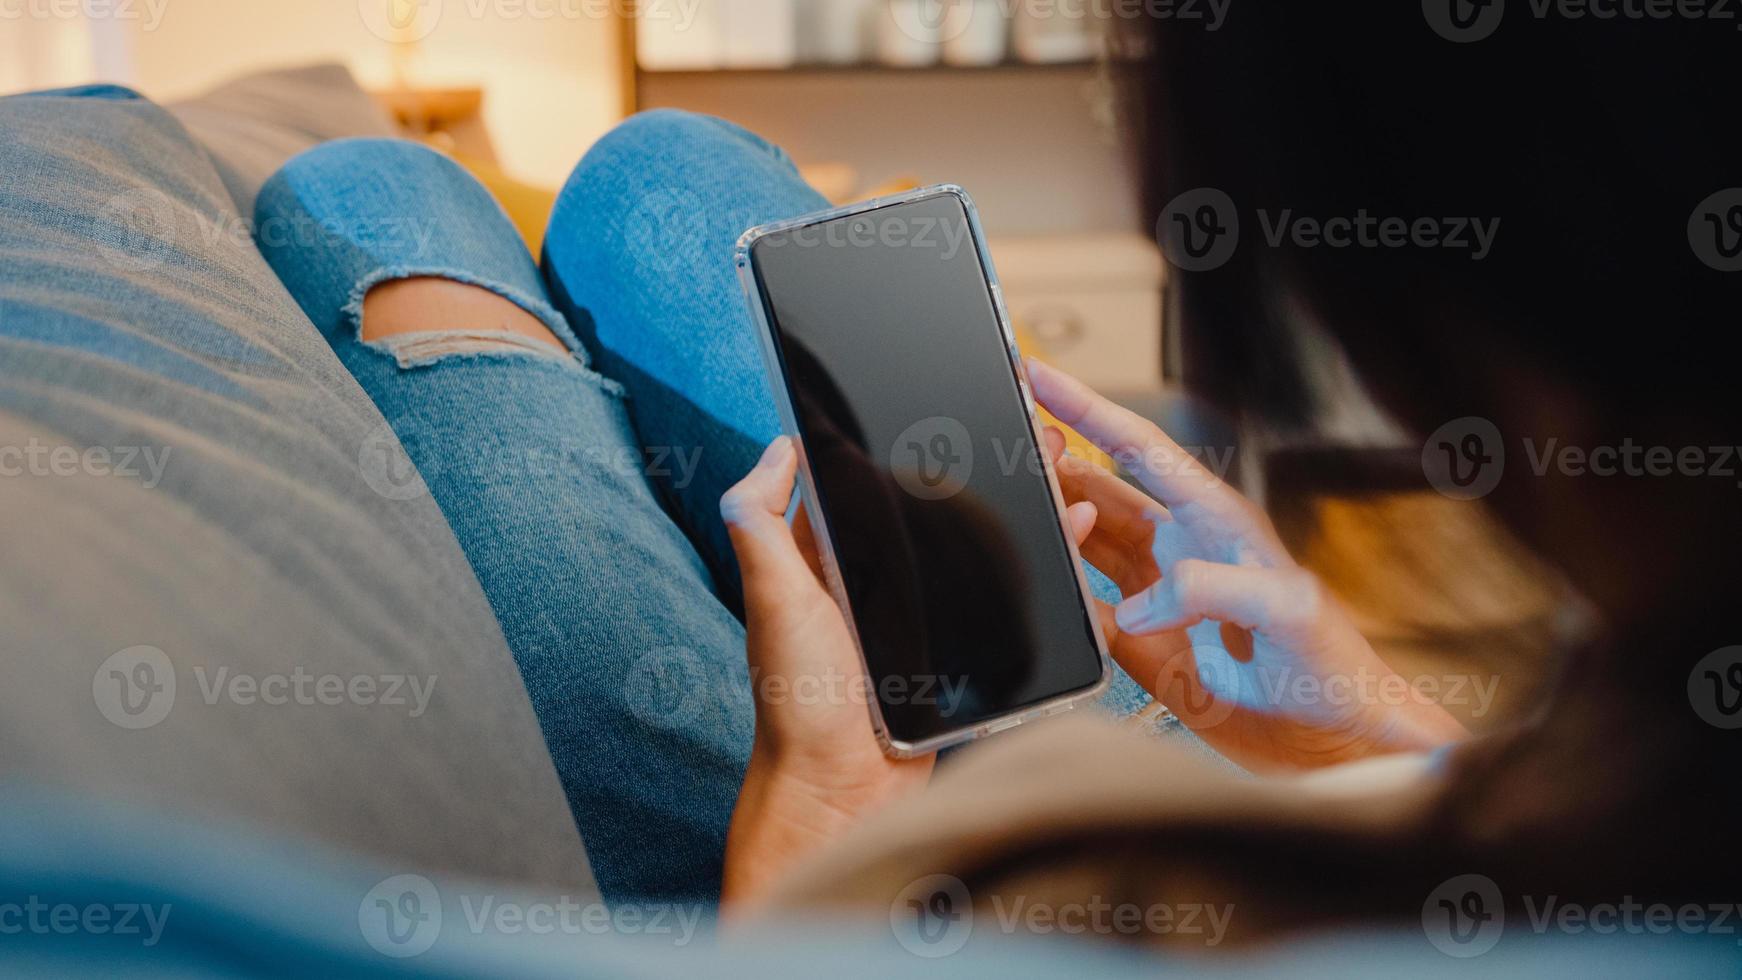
947 537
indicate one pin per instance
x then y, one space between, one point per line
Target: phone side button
1022 384
999 726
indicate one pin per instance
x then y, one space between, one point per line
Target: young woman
587 422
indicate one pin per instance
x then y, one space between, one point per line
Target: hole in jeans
424 318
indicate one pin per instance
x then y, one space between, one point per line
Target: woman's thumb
755 515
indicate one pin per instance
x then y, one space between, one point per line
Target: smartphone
936 514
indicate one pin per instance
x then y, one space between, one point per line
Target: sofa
255 702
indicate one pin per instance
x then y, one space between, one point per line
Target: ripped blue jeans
584 488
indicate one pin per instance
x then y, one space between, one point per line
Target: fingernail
776 453
1145 609
1133 613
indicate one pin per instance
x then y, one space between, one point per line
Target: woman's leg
639 258
636 671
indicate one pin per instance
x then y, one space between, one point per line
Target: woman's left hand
816 767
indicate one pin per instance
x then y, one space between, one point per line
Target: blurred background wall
1010 99
552 72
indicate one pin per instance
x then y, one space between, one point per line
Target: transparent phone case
760 316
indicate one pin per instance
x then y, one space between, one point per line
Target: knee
388 238
661 151
374 169
655 190
355 152
680 136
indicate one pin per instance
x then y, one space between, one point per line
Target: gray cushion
253 124
193 488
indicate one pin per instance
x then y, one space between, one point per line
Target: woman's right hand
1218 621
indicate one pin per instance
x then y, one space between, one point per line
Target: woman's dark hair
1598 318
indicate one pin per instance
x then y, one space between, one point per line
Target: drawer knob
1056 326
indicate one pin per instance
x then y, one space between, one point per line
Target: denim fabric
185 496
639 257
636 671
558 487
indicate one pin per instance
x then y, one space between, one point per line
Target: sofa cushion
253 124
222 588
